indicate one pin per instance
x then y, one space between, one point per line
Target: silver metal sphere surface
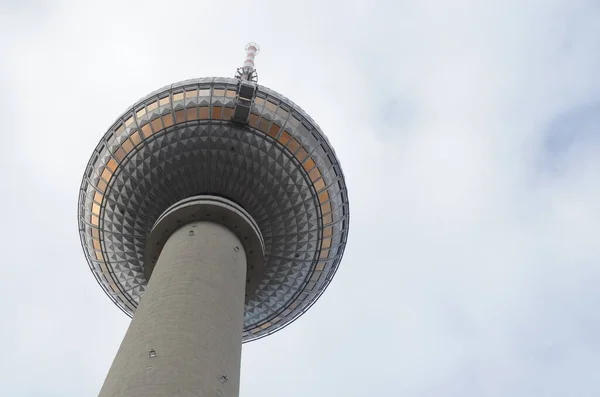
182 141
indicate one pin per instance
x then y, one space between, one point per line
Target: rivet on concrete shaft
236 249
191 232
152 353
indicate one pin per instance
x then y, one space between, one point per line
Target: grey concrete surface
190 316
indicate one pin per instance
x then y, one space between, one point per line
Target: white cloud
471 269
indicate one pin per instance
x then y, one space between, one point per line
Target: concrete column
191 316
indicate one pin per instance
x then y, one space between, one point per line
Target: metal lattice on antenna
247 72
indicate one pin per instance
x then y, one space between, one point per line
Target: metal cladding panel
180 141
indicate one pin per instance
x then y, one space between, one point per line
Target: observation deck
228 138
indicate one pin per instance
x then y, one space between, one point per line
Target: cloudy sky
470 139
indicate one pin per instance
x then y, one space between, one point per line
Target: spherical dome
193 138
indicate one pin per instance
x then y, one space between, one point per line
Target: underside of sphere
191 139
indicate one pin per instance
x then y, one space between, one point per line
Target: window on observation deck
112 165
319 185
259 102
151 107
140 113
301 155
135 138
271 106
191 94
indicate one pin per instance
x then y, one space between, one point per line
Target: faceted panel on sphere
182 141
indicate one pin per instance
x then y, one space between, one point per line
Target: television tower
213 212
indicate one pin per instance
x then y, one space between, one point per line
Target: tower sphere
225 138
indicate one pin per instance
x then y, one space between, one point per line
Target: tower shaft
185 338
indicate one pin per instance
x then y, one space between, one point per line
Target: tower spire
247 72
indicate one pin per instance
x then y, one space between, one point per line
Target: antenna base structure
247 72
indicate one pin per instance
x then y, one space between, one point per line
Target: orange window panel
94 220
254 120
191 94
179 116
112 165
147 131
129 121
120 154
152 106
140 113
227 113
98 197
323 196
216 112
264 125
120 130
326 207
178 96
314 174
301 155
320 266
164 101
326 243
99 255
274 130
309 164
106 174
327 219
135 138
95 209
293 145
328 231
96 244
319 185
95 233
157 125
271 106
127 145
324 254
191 114
204 111
284 138
101 185
168 120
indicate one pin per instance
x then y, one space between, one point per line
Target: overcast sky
470 139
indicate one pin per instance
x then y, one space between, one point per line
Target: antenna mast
247 72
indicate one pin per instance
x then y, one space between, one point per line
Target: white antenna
248 72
